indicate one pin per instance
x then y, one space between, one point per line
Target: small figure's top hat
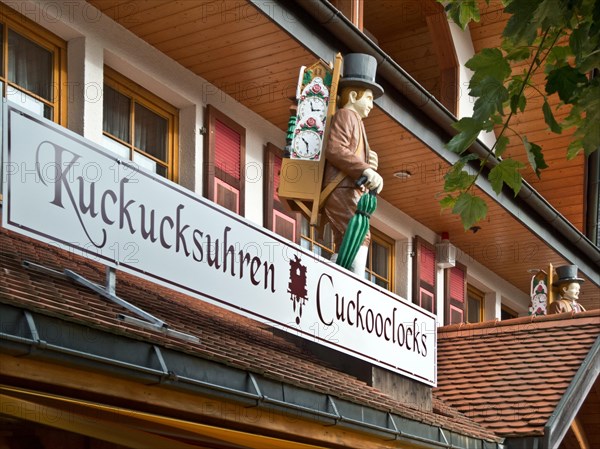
567 274
359 71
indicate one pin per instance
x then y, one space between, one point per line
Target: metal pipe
593 197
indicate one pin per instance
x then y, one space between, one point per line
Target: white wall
463 44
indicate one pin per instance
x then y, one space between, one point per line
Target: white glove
374 180
373 160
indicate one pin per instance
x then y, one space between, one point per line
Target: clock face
312 107
307 144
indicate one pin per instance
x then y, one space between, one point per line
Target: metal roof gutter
559 422
428 120
28 334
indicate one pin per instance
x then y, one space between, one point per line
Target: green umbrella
357 229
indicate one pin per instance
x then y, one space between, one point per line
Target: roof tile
509 375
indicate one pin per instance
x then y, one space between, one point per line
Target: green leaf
488 63
588 107
457 179
506 172
557 57
463 11
565 81
448 202
549 118
590 62
518 102
519 53
573 149
519 28
550 13
581 43
469 129
491 95
501 144
535 156
470 208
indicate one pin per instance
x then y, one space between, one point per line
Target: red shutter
227 196
424 271
227 149
278 217
427 265
454 297
284 226
457 284
277 162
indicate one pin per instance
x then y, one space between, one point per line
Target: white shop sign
65 190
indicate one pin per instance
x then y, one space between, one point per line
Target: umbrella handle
360 181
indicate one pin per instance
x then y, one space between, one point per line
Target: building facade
199 93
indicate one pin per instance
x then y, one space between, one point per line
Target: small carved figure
348 154
568 286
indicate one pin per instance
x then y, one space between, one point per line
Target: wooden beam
579 433
120 418
83 425
353 10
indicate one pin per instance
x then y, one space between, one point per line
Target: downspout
332 20
593 197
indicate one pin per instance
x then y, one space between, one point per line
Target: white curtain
30 66
117 114
150 132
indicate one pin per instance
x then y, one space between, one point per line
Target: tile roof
225 337
510 375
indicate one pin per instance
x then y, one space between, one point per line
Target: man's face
364 104
571 291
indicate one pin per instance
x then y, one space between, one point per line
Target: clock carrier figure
347 152
340 136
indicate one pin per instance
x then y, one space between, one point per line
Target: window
380 261
424 282
277 217
319 241
224 161
474 304
139 126
506 313
33 67
455 294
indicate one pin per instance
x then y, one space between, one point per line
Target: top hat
567 274
359 71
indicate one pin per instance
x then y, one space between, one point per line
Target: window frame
271 205
47 40
509 311
211 171
383 240
140 95
475 294
312 238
